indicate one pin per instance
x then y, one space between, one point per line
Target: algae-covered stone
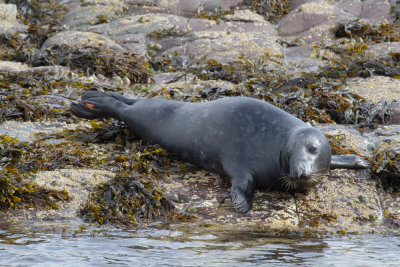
77 182
347 200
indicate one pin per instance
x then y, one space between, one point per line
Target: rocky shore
335 64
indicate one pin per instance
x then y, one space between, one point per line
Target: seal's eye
313 149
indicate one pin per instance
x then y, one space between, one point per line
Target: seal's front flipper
242 191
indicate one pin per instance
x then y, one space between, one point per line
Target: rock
92 15
351 138
299 58
296 3
383 49
347 200
12 28
226 47
11 66
77 182
33 131
192 7
312 22
76 39
132 32
8 20
391 207
377 11
8 12
245 16
180 37
389 88
271 210
395 113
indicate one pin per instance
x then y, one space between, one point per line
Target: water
30 246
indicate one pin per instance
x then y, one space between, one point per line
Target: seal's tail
97 104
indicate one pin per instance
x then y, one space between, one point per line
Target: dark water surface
47 246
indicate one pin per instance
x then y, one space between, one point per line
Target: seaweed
123 200
384 32
18 164
96 60
272 10
133 195
386 164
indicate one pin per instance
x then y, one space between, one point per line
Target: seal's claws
241 203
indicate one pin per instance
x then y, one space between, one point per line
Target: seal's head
306 158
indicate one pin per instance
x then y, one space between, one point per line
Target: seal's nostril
303 176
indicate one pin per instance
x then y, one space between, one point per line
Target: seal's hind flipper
96 105
122 98
84 111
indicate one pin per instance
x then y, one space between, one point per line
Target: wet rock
391 209
350 137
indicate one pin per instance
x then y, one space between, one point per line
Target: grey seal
255 144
